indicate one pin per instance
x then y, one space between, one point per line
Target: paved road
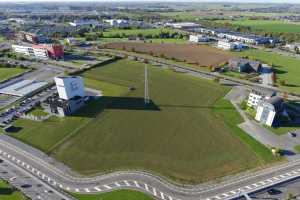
46 169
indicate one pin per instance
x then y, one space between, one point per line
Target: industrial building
118 23
30 37
198 38
183 25
23 88
226 45
70 97
78 23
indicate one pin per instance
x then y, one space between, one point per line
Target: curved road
41 166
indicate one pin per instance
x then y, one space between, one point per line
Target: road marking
87 189
170 198
98 189
117 184
106 186
146 187
76 189
154 191
126 183
255 184
162 195
136 184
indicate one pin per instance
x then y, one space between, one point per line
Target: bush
243 105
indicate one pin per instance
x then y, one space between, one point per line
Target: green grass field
7 193
182 134
6 73
268 25
39 112
112 33
286 68
115 195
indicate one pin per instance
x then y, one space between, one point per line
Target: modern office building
268 111
258 95
69 87
42 51
30 51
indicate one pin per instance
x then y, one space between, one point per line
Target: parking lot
9 115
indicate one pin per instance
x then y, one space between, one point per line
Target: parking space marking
106 186
126 183
154 191
162 195
146 187
136 184
117 184
98 189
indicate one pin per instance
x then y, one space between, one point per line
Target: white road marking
117 184
136 184
77 190
162 195
87 190
170 198
126 183
146 187
106 186
154 192
97 188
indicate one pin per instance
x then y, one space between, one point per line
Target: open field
7 193
121 33
286 68
6 73
200 54
267 25
181 134
115 195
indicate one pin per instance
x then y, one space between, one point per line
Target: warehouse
23 88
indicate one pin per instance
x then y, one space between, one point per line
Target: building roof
23 87
276 101
263 92
237 62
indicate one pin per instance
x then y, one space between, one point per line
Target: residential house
244 65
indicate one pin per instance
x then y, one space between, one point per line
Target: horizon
183 1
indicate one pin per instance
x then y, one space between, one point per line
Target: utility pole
146 97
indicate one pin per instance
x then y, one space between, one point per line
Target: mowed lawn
115 195
268 25
6 73
182 134
7 193
286 68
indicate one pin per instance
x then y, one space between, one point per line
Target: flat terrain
200 54
115 195
121 33
268 25
6 73
181 134
7 193
286 68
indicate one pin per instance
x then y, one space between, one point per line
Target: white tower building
69 87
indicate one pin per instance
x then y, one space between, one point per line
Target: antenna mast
146 97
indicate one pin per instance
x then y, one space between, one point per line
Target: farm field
200 54
7 193
6 73
181 134
268 25
115 195
286 68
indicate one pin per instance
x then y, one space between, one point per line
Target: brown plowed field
195 54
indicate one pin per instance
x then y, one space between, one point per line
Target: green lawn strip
114 195
8 193
123 33
232 119
168 40
286 68
297 148
39 112
280 130
277 26
6 73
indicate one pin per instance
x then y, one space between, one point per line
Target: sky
240 1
